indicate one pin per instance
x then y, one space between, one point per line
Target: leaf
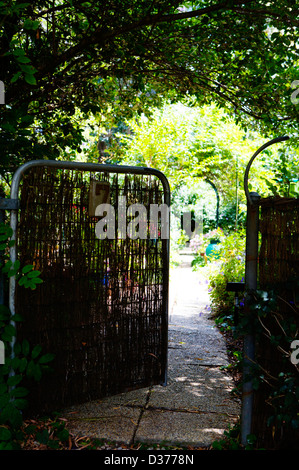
23 60
46 358
5 434
26 269
15 363
36 351
19 392
15 77
53 445
4 312
43 437
25 347
30 79
22 281
30 24
34 371
14 380
17 349
11 415
31 284
17 264
21 403
28 69
33 274
23 364
7 266
17 317
4 400
8 333
63 435
6 446
19 52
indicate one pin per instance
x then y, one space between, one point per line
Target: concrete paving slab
197 389
107 420
178 428
198 346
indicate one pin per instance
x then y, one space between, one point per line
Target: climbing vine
21 360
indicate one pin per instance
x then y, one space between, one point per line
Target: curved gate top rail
14 193
276 140
87 167
93 315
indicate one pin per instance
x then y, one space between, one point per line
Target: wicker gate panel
102 306
278 272
279 252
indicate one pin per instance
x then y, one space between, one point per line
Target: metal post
250 284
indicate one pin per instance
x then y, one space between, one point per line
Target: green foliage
22 361
62 64
194 145
285 167
229 268
231 440
285 401
187 142
276 328
231 216
51 434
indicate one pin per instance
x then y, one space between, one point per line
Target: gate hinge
9 204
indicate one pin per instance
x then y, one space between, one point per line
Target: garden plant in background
199 245
228 267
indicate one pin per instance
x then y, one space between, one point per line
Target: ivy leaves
25 362
27 276
26 69
21 360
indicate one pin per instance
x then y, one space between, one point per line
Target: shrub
22 361
230 267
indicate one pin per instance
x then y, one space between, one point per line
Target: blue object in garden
105 280
212 250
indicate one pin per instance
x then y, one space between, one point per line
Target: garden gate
102 308
272 271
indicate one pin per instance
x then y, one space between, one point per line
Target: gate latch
9 204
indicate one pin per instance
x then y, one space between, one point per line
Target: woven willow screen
102 306
279 252
278 272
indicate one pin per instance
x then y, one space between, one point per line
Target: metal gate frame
92 167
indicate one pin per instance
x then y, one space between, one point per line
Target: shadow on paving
196 406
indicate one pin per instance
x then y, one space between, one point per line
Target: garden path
196 406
